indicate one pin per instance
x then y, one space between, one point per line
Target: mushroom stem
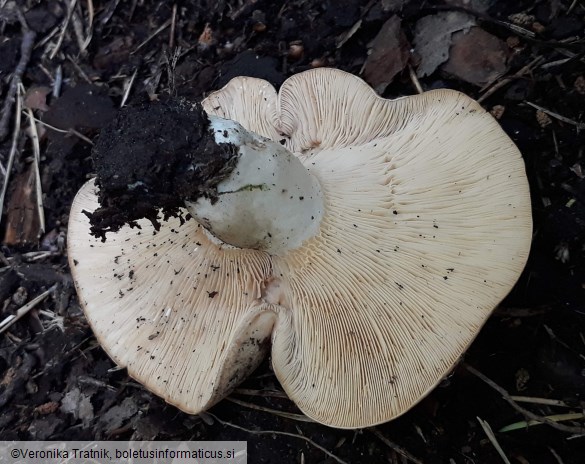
270 201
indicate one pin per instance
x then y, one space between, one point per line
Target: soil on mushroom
57 383
151 158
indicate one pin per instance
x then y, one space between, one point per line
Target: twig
58 82
287 415
573 5
79 32
527 35
414 79
36 165
42 42
12 154
80 71
549 331
555 418
173 25
492 438
242 9
38 255
263 393
90 16
128 87
506 80
70 9
398 449
579 125
166 24
553 64
79 135
3 259
530 415
26 46
63 131
8 321
522 32
277 432
554 453
108 12
544 401
65 355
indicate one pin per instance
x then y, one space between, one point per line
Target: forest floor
79 61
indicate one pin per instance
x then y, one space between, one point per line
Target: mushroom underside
420 239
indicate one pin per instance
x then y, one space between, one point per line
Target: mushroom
363 241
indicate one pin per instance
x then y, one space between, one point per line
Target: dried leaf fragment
432 38
389 55
36 98
477 57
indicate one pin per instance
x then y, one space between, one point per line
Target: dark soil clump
152 158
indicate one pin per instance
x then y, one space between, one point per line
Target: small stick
63 131
3 259
58 82
549 331
242 8
109 11
46 39
398 449
287 415
8 321
573 5
554 453
262 393
492 438
128 87
37 160
90 16
63 28
173 24
13 149
78 30
506 80
38 255
552 64
26 46
277 432
530 415
579 125
414 79
166 24
571 416
80 71
544 401
90 13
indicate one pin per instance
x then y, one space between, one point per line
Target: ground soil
55 380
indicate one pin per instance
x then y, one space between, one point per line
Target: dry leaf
22 219
481 6
432 38
76 403
389 55
477 57
392 5
36 98
114 417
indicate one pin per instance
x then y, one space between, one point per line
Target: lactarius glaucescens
363 241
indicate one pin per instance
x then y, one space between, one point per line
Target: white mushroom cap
426 228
